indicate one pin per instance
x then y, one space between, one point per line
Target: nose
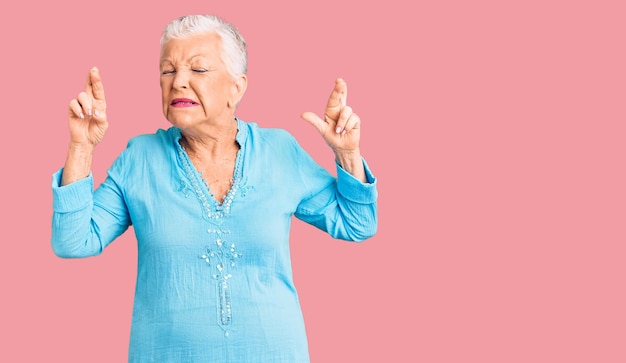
181 79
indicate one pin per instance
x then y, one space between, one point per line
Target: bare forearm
78 163
352 163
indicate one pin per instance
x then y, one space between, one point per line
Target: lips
183 102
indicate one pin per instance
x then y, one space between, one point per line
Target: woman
211 201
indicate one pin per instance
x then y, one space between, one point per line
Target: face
195 84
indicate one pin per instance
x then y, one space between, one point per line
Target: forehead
204 45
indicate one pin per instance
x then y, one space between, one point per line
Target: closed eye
199 70
167 72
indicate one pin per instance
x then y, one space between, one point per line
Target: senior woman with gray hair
211 200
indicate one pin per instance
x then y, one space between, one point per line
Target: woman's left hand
340 127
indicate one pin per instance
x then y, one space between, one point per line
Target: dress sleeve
85 221
342 206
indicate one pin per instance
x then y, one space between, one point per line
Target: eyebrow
167 61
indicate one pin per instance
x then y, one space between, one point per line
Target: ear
239 86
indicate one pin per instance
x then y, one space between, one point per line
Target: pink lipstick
183 102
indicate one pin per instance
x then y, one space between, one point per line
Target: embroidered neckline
220 254
212 208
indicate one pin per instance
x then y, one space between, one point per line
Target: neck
215 141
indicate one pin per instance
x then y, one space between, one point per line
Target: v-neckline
213 208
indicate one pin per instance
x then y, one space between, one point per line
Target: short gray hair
234 53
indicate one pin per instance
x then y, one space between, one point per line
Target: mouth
183 102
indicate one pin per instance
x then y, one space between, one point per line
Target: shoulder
276 144
145 150
267 135
154 146
160 136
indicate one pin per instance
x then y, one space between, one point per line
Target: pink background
496 129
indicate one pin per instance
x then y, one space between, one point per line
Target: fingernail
343 132
81 115
89 111
338 129
97 113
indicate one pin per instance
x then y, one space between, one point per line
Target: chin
180 122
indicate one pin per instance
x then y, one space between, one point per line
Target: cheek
164 100
164 90
205 94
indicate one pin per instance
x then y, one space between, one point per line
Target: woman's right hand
87 113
